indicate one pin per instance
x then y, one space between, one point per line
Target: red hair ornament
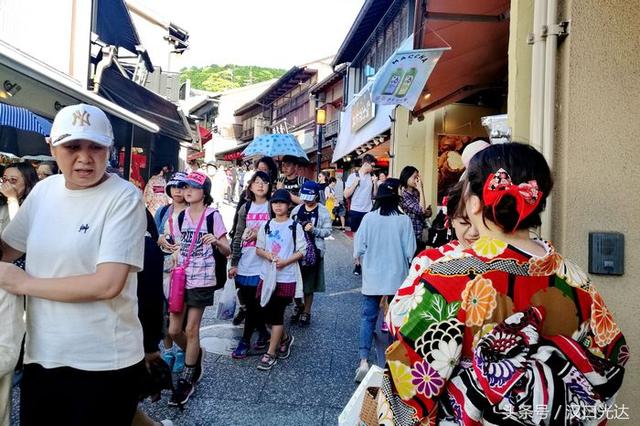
527 194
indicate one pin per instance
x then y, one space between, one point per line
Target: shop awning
232 153
478 33
114 25
130 95
31 72
23 119
205 134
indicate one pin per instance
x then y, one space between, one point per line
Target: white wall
54 32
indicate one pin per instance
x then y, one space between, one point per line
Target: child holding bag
246 265
280 241
197 247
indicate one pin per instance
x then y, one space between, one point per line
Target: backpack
313 253
311 256
247 203
220 259
438 233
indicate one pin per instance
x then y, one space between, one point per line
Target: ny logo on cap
80 118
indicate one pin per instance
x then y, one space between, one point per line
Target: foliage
216 78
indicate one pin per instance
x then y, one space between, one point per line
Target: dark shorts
355 219
313 277
69 396
200 297
274 311
340 210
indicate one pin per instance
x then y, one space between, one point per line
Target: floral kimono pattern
493 335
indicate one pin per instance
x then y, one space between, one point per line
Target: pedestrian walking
316 223
84 348
323 181
385 242
246 265
508 309
281 242
413 203
290 179
203 231
169 241
360 190
154 192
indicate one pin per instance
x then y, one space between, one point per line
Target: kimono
495 335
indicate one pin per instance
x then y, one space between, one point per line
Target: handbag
268 284
227 304
179 275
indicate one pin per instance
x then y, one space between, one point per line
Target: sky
271 33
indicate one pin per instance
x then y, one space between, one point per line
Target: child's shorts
274 311
200 297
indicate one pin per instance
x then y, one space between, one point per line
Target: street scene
364 212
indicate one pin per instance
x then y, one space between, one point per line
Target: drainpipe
537 74
551 30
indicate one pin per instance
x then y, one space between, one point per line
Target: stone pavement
309 388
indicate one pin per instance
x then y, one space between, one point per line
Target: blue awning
126 93
23 119
115 27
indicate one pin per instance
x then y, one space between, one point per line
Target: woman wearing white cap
83 232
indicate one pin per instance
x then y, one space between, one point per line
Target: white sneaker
361 371
166 422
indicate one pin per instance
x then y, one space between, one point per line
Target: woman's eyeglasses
12 181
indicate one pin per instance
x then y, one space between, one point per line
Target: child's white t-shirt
279 241
250 263
68 233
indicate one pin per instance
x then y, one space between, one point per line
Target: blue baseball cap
309 190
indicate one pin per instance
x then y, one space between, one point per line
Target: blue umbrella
22 132
274 145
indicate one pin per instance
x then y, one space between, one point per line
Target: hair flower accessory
526 194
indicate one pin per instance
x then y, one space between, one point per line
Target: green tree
216 78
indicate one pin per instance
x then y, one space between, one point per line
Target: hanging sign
404 75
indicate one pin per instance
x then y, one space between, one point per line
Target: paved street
309 388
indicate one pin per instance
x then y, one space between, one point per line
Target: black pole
319 153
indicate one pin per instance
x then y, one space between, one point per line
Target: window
387 39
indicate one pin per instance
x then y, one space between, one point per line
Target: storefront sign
404 75
363 110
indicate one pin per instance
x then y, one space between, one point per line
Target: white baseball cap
81 121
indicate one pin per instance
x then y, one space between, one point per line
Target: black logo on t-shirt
84 228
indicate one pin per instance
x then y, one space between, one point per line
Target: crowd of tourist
481 326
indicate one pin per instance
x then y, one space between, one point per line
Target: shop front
467 84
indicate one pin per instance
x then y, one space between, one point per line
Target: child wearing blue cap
316 222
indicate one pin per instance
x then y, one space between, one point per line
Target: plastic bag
227 303
268 284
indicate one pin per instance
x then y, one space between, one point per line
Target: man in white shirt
361 190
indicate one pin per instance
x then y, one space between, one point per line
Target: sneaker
166 422
178 365
181 393
261 345
305 319
361 371
240 316
357 270
297 311
284 350
267 362
241 351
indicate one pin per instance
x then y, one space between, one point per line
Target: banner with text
403 76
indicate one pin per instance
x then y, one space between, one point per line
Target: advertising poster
450 166
404 75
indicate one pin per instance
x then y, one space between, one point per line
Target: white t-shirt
280 242
361 199
68 233
250 263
